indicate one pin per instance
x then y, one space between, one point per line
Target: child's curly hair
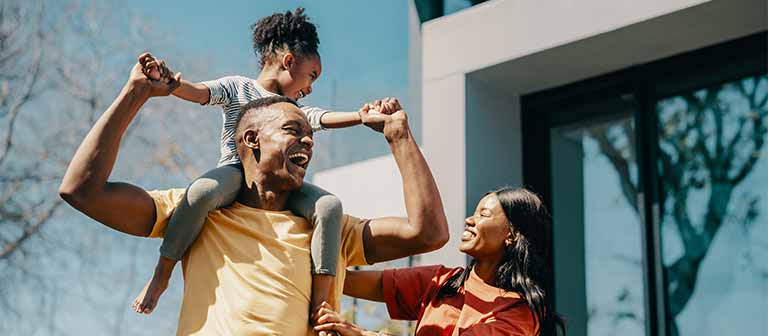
291 30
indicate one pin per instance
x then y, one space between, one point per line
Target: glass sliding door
657 177
713 174
599 274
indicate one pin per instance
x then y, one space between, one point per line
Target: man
248 272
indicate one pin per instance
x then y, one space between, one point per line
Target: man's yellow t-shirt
248 272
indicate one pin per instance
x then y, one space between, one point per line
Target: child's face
297 78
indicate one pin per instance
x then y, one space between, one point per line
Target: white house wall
501 30
367 189
477 63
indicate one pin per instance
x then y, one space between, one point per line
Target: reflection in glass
713 178
598 240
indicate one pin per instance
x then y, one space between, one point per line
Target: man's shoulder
172 195
352 245
350 222
165 202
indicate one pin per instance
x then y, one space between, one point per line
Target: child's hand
150 67
153 88
156 69
385 106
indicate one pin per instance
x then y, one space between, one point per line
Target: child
287 44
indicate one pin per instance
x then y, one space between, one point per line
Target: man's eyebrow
297 124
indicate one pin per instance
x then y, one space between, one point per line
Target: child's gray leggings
219 187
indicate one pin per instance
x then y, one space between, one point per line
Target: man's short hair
258 104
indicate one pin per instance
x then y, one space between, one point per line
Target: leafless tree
60 66
21 55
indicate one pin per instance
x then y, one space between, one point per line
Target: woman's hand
326 319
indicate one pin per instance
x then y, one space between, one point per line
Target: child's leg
323 210
214 189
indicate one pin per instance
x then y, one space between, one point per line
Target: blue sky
363 46
361 42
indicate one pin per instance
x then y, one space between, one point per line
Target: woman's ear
288 61
251 138
512 237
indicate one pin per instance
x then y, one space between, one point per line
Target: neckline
479 286
241 206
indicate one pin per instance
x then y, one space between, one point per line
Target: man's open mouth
301 94
299 159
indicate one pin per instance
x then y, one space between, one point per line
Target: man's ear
251 138
288 61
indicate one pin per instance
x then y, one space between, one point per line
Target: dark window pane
599 281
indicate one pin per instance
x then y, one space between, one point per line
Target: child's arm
340 119
348 119
194 92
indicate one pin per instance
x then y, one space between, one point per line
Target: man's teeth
301 158
466 235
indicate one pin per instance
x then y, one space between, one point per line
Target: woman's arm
364 285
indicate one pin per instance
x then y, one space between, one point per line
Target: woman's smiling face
486 231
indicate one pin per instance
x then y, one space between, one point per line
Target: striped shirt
232 92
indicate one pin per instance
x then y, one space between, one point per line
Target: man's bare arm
426 228
121 206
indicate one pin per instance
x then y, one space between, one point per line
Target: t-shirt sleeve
314 115
406 289
516 321
223 90
165 203
352 241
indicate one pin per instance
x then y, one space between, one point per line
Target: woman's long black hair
524 267
291 30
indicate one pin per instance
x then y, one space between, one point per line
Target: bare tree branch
30 230
23 99
30 178
629 190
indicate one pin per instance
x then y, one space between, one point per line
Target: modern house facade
642 125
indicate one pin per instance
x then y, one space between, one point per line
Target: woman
501 292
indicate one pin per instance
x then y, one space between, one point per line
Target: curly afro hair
280 31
